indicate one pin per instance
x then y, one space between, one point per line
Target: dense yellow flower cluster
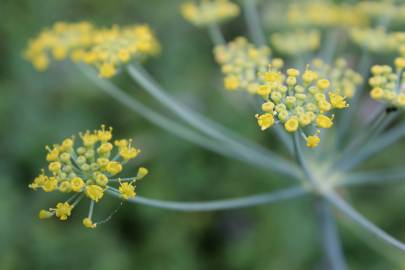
377 40
87 169
387 85
343 79
296 42
206 12
105 48
241 62
299 102
323 14
58 42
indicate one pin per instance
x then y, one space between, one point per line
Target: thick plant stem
356 217
218 205
373 177
330 237
152 116
216 35
253 22
240 146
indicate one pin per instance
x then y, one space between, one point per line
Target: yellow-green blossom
240 63
324 14
85 167
377 40
105 48
296 42
388 84
343 79
298 101
59 42
206 12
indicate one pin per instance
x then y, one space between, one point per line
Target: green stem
216 35
373 177
227 204
253 22
330 240
152 116
355 216
379 144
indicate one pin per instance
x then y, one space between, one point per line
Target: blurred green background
37 109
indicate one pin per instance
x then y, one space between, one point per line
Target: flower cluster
377 40
321 14
300 103
296 42
87 169
105 48
207 12
59 42
118 45
241 62
343 79
377 10
387 85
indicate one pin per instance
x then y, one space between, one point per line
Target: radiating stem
301 159
152 116
330 237
218 205
253 22
216 35
380 143
240 146
356 217
373 177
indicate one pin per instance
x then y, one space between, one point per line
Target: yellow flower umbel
116 46
105 48
324 14
87 169
206 12
240 63
297 42
62 40
343 79
300 102
387 85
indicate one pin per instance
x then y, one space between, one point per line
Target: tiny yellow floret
63 210
88 223
127 190
94 192
323 121
265 120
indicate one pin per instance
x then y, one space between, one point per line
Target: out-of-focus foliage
39 108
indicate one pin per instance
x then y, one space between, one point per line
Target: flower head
59 42
105 48
297 42
298 101
388 85
116 46
377 40
84 168
240 63
324 14
209 11
343 79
